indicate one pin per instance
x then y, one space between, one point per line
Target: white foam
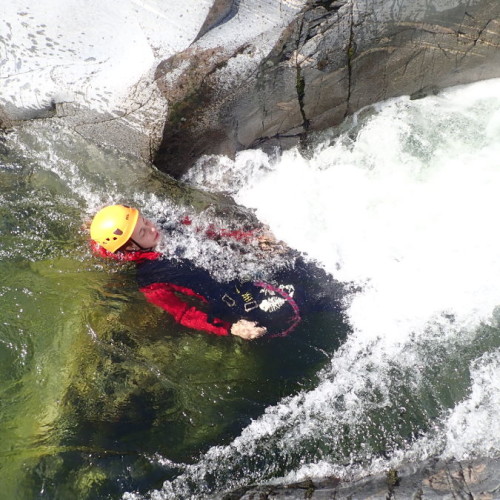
405 203
408 210
473 428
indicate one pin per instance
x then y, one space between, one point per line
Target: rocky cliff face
92 67
334 58
216 76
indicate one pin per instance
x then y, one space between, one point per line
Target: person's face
145 234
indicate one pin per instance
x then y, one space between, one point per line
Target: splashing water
403 200
400 200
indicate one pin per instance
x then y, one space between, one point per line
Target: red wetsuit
174 284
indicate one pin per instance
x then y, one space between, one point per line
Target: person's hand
247 330
268 243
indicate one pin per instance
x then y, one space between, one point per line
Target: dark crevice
351 52
329 5
276 137
220 13
481 31
300 86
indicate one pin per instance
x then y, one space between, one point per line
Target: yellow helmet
113 226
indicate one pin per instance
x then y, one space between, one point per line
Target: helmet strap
137 244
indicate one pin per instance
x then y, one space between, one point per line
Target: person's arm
260 236
164 296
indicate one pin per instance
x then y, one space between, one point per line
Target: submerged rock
431 480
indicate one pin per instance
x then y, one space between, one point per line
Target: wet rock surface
479 479
331 60
248 74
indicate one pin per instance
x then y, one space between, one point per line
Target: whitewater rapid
403 201
404 204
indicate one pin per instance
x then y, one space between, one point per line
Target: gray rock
135 132
432 480
333 59
220 12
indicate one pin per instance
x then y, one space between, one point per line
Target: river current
103 396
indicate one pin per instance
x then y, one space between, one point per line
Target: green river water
103 396
94 380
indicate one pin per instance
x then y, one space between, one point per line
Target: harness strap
296 311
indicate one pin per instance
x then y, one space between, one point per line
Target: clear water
103 396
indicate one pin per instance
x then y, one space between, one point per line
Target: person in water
247 309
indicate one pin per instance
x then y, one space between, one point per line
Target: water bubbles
403 202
